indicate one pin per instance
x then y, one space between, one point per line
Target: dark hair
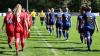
85 7
88 8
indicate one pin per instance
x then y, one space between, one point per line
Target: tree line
73 5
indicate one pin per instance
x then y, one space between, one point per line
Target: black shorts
33 18
41 18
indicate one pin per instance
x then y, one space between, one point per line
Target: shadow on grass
2 47
3 52
43 40
53 41
61 42
3 42
41 35
78 49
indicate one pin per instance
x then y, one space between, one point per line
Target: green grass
43 44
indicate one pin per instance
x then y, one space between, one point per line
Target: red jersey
18 22
25 24
8 20
29 20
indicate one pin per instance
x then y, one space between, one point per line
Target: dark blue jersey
59 20
66 19
89 19
59 16
47 15
80 20
47 18
52 15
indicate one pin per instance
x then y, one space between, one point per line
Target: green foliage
73 5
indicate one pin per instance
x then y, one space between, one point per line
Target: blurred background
73 5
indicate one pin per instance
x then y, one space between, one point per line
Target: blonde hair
17 9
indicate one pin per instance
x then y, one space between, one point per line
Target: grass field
43 44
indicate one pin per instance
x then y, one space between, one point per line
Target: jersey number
89 19
9 21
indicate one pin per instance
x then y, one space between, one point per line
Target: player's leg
28 34
88 40
33 20
17 41
22 43
10 38
57 30
41 21
60 30
11 41
90 33
81 37
67 33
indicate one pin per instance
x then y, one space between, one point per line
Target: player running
42 17
33 13
29 21
47 20
8 21
52 19
25 25
59 23
19 24
80 23
89 25
66 19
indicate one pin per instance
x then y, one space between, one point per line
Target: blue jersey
89 19
59 20
80 20
52 18
47 16
52 15
66 19
59 17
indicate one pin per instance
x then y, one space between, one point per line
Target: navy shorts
89 32
59 24
51 22
81 30
66 26
47 23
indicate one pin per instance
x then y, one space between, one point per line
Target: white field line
49 45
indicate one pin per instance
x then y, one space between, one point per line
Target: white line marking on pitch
49 45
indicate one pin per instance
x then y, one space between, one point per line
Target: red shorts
10 32
18 32
29 26
25 34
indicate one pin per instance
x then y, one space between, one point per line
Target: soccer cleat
65 38
21 50
16 53
10 46
89 49
85 40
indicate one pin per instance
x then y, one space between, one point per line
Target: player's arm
44 16
31 20
95 21
77 23
4 22
32 13
70 20
26 23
